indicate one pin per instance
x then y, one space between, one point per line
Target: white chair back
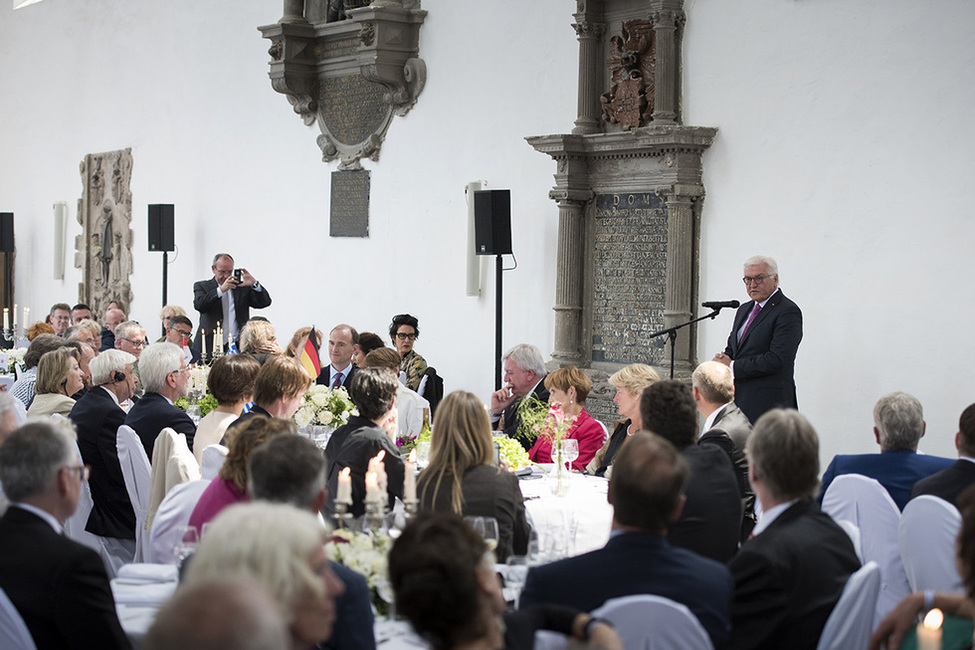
853 531
172 463
866 503
213 457
646 622
173 512
137 473
14 634
927 533
851 622
74 527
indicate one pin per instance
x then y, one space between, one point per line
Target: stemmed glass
187 541
487 528
570 451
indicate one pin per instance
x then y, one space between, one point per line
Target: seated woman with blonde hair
461 477
282 548
257 338
629 382
59 376
570 387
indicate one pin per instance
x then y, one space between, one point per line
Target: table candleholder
342 515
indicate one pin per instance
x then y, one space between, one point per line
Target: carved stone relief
104 249
629 101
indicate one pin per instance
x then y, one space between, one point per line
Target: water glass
187 541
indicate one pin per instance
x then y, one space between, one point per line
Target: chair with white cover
646 622
137 473
213 457
928 530
74 527
866 503
14 634
172 463
173 512
851 621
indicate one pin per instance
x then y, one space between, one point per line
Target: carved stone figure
629 101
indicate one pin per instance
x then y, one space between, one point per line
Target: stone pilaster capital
589 30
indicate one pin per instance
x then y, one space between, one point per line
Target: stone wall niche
629 193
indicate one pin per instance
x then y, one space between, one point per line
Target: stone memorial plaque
350 204
629 277
352 108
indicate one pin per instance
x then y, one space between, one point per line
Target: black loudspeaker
492 222
161 228
6 232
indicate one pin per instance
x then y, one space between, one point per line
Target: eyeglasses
758 279
402 336
186 333
138 344
179 370
84 471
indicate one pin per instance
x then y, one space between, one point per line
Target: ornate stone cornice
641 142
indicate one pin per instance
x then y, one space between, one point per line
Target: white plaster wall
844 149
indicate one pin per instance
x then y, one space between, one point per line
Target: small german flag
309 355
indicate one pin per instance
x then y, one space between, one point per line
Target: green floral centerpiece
532 414
364 553
324 406
512 453
206 403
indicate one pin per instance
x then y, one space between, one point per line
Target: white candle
6 318
409 479
372 488
26 319
15 315
345 488
203 340
929 631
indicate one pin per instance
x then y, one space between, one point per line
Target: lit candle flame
934 619
345 472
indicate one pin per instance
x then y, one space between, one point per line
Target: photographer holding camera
227 298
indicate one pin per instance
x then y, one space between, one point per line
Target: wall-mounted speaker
6 232
162 236
492 222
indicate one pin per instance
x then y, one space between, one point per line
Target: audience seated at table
59 376
85 354
279 389
902 621
59 587
230 486
710 522
948 484
231 382
524 375
354 444
297 342
444 581
646 492
403 332
291 469
257 338
791 573
23 388
629 382
898 427
165 375
39 328
462 478
368 341
569 387
409 405
97 416
282 548
226 612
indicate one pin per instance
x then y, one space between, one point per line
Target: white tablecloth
582 517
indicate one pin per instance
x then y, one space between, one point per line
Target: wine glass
489 531
187 541
515 575
570 451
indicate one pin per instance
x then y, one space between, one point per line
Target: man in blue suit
165 375
646 491
763 342
898 426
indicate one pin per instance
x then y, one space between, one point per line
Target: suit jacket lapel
773 301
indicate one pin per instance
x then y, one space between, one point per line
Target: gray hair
156 363
783 450
287 469
105 364
527 357
715 382
756 260
32 456
899 419
129 330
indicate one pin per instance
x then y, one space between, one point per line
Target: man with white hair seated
58 586
165 375
524 374
97 417
898 426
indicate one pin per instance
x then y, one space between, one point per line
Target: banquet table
580 520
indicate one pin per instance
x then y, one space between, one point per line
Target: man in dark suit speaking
763 342
227 299
646 491
58 586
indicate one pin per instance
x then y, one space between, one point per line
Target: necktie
751 318
337 382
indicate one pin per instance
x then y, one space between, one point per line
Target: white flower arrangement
13 357
364 553
325 406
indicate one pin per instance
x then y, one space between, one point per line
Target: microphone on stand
734 304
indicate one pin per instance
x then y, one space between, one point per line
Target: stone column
294 11
678 306
667 68
568 283
590 74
